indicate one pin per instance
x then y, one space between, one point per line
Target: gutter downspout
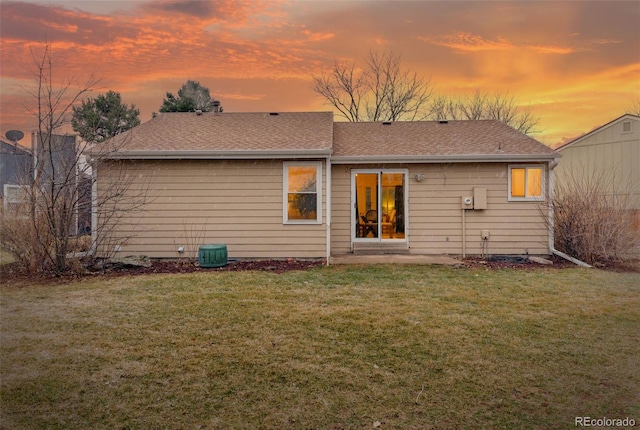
94 210
552 249
550 223
328 208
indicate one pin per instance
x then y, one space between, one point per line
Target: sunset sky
574 63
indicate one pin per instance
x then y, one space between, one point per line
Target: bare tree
443 108
382 91
53 192
499 106
43 231
593 214
634 109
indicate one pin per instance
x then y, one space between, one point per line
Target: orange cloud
237 96
467 42
380 41
548 49
260 55
317 36
603 41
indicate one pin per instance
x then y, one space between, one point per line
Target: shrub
593 216
21 237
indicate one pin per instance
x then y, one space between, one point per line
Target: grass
329 348
5 257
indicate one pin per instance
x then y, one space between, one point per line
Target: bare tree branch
42 231
342 89
383 91
634 109
499 106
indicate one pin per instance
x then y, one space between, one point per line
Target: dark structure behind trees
57 158
15 162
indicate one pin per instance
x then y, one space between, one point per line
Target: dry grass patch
338 347
5 257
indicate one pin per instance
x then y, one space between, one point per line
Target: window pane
302 179
534 182
517 182
366 199
15 194
302 206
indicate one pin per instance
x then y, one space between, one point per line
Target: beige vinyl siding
340 209
195 202
435 214
609 151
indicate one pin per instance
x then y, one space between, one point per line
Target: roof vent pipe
273 113
216 107
198 112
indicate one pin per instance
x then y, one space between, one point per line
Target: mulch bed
12 273
628 266
15 274
516 263
276 266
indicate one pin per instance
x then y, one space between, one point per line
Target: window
626 127
526 183
302 193
14 196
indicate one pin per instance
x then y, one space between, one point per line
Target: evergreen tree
191 97
96 120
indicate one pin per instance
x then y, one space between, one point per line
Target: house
298 184
56 158
15 167
611 150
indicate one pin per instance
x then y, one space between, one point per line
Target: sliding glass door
379 204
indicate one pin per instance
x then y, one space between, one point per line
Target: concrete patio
443 260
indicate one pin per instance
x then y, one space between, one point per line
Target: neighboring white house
612 150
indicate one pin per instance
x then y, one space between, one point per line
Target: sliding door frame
354 206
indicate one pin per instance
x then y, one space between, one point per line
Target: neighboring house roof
228 135
435 141
596 130
11 148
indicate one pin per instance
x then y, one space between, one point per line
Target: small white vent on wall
626 127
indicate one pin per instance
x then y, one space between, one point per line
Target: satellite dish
14 135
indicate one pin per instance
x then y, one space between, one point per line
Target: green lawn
330 348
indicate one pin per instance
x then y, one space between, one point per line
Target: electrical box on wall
485 234
467 202
479 198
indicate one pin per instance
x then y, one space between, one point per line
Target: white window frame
526 198
285 192
8 187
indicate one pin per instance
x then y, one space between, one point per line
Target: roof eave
218 155
444 158
596 130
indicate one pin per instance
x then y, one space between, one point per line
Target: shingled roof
228 135
314 134
434 141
